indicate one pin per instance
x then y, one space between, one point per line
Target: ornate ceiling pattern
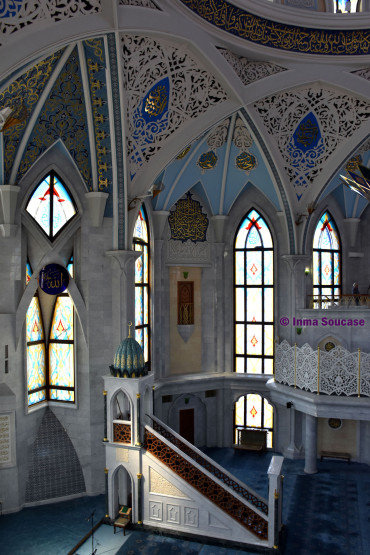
63 118
308 125
23 94
165 87
249 71
17 14
273 34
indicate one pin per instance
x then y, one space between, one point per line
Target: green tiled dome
129 360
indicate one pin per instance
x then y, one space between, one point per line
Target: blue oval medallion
53 279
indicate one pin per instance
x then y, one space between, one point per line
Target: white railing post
275 500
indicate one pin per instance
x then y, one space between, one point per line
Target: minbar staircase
261 517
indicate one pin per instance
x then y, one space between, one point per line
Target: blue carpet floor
325 514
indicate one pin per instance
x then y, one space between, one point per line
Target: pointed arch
254 296
326 259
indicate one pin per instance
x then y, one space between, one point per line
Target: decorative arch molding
58 159
114 483
284 198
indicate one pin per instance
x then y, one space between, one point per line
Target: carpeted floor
325 514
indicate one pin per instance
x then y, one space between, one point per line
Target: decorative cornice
273 34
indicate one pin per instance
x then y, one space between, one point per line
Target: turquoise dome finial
129 359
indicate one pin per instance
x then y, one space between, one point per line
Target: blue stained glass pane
145 265
139 336
254 304
239 268
239 304
139 270
28 272
242 235
62 395
34 328
316 268
141 230
61 364
146 344
70 267
253 237
268 267
139 306
254 267
269 304
336 270
254 339
36 368
39 205
265 233
63 208
62 324
36 397
326 268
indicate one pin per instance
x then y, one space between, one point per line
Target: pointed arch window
141 242
251 412
51 367
254 296
326 259
51 205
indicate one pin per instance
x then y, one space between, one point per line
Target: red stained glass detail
253 411
253 222
60 327
326 224
254 269
35 327
327 270
254 319
47 192
254 341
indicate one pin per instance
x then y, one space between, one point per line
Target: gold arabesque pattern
273 34
187 221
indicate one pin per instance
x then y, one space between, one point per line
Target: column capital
123 258
294 261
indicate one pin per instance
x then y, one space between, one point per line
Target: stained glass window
254 296
50 370
142 289
253 411
36 359
51 205
326 261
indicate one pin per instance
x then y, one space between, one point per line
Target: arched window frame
244 419
50 389
326 287
141 242
48 187
244 324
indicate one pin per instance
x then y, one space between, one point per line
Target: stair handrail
232 482
251 519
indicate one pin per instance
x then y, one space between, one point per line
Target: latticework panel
206 486
227 480
284 363
121 433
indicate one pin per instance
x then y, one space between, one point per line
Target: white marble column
310 466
